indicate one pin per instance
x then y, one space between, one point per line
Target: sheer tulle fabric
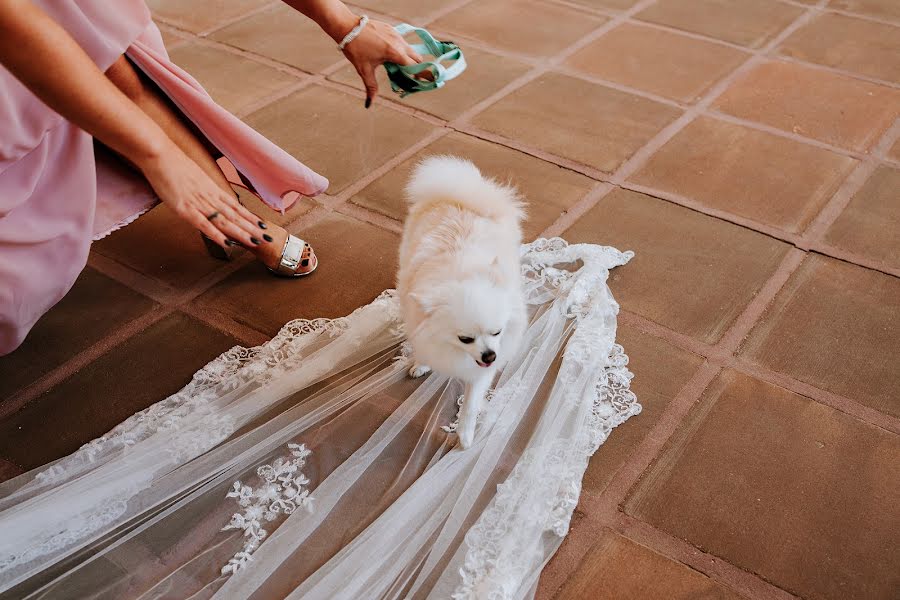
312 467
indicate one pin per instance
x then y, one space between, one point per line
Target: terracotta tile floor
749 152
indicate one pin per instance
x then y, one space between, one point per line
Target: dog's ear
424 303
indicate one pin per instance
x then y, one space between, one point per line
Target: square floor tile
657 61
750 173
799 493
749 24
870 224
835 326
94 307
233 81
660 371
883 9
691 273
850 44
835 109
619 569
130 377
357 261
541 28
486 74
600 127
332 133
283 34
549 190
202 16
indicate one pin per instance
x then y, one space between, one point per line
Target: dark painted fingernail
262 225
267 237
368 102
304 262
255 241
230 243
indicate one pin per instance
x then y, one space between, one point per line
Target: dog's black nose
488 357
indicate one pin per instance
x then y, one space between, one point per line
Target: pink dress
56 196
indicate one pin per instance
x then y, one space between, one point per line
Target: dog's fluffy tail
453 179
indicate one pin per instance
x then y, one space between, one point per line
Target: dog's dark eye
466 340
496 333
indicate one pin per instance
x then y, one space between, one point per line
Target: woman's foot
284 254
281 253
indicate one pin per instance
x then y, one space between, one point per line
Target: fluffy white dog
459 279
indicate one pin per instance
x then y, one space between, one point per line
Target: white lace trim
228 372
281 492
492 569
102 515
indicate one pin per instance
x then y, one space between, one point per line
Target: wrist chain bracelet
353 32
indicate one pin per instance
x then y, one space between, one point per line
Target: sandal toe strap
292 254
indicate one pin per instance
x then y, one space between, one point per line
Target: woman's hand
194 196
377 44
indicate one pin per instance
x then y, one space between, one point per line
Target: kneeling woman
81 70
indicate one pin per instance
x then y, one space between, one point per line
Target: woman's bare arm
376 44
45 58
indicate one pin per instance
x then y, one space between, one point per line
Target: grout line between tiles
836 71
273 98
175 25
543 67
734 336
246 15
717 568
840 403
717 358
578 210
851 185
248 336
782 133
121 334
605 505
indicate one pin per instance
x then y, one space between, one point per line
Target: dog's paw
417 371
466 435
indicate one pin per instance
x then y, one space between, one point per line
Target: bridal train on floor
312 467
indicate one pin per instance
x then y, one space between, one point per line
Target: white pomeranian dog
459 280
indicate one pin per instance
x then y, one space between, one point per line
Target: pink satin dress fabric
56 195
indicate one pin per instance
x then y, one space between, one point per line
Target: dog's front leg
468 414
418 370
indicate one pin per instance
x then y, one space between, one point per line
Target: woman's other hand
377 44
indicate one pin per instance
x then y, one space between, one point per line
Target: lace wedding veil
312 467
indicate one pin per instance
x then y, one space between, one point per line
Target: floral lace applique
282 491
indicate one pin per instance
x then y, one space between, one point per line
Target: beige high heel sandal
297 259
